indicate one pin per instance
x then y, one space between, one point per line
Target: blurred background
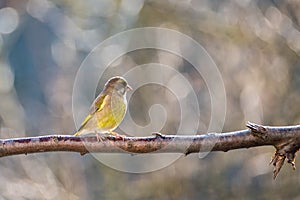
255 44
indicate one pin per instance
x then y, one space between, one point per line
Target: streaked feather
97 105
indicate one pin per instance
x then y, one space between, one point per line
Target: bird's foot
99 137
117 135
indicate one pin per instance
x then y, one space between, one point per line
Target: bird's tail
77 133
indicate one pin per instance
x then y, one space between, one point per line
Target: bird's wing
97 105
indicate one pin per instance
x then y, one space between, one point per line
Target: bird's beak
128 88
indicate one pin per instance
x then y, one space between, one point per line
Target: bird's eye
122 91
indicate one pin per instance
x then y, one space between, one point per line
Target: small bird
107 110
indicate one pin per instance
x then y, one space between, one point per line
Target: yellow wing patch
83 123
101 100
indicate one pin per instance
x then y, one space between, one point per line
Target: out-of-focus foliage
255 44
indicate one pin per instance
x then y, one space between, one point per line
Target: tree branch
285 139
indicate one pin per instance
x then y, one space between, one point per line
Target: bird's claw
99 137
118 136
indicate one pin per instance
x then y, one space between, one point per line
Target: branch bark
285 139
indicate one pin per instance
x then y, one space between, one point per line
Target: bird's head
117 84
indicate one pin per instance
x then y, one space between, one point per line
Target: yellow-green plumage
108 109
